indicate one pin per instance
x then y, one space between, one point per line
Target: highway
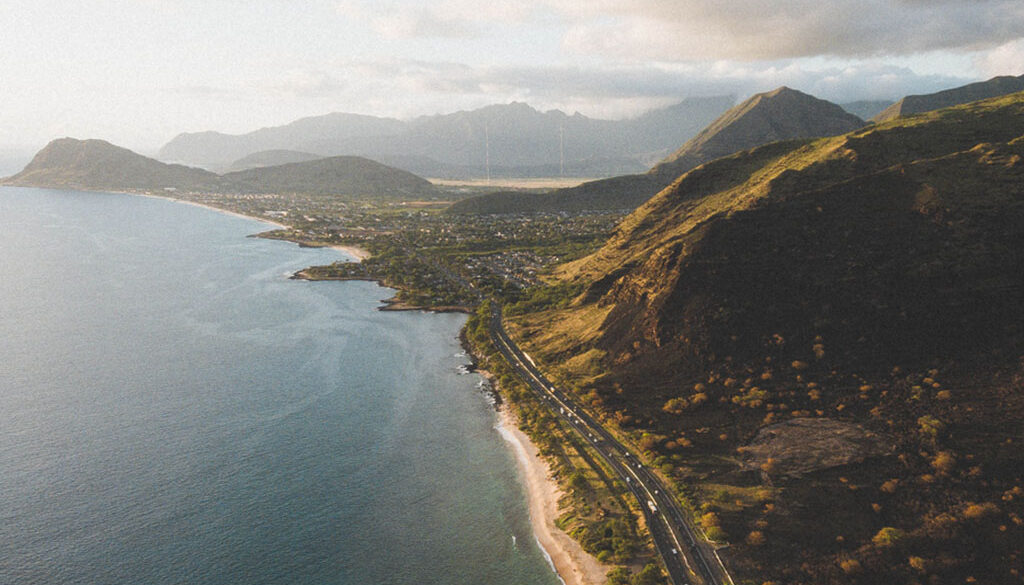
688 559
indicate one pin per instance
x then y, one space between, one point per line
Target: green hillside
351 176
917 104
99 165
824 328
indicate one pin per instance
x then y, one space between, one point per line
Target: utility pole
487 152
561 150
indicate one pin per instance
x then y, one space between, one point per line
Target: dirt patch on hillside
800 446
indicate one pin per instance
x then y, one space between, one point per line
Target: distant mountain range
766 117
916 104
101 166
782 114
866 109
511 140
270 158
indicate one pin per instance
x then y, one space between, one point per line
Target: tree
649 575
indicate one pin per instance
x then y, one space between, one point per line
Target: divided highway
687 558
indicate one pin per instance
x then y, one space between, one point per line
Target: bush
716 534
977 511
649 575
710 520
888 536
944 462
618 576
850 566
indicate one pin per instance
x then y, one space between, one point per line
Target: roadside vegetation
597 510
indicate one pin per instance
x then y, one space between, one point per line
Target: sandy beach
571 562
204 206
358 253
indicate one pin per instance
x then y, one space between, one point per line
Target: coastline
210 207
573 565
357 254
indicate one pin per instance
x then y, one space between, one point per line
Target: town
434 259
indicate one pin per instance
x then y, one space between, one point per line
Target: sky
139 72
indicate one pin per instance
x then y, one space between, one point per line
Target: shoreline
358 254
210 207
571 563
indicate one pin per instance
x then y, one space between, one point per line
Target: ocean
174 409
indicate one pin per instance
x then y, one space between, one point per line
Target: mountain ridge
517 136
916 104
780 114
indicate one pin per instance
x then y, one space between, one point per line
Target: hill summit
97 164
780 114
101 166
333 175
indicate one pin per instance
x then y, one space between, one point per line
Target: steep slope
916 104
777 115
869 282
780 114
270 158
340 175
97 164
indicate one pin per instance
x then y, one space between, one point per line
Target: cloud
371 86
1007 59
407 20
690 30
695 30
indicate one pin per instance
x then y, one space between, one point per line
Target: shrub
710 520
930 427
675 405
618 576
944 462
756 538
716 534
850 566
977 511
888 536
649 575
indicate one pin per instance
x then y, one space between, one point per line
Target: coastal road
687 558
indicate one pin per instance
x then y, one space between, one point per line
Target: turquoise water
173 409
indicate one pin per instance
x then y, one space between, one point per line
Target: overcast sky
138 72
